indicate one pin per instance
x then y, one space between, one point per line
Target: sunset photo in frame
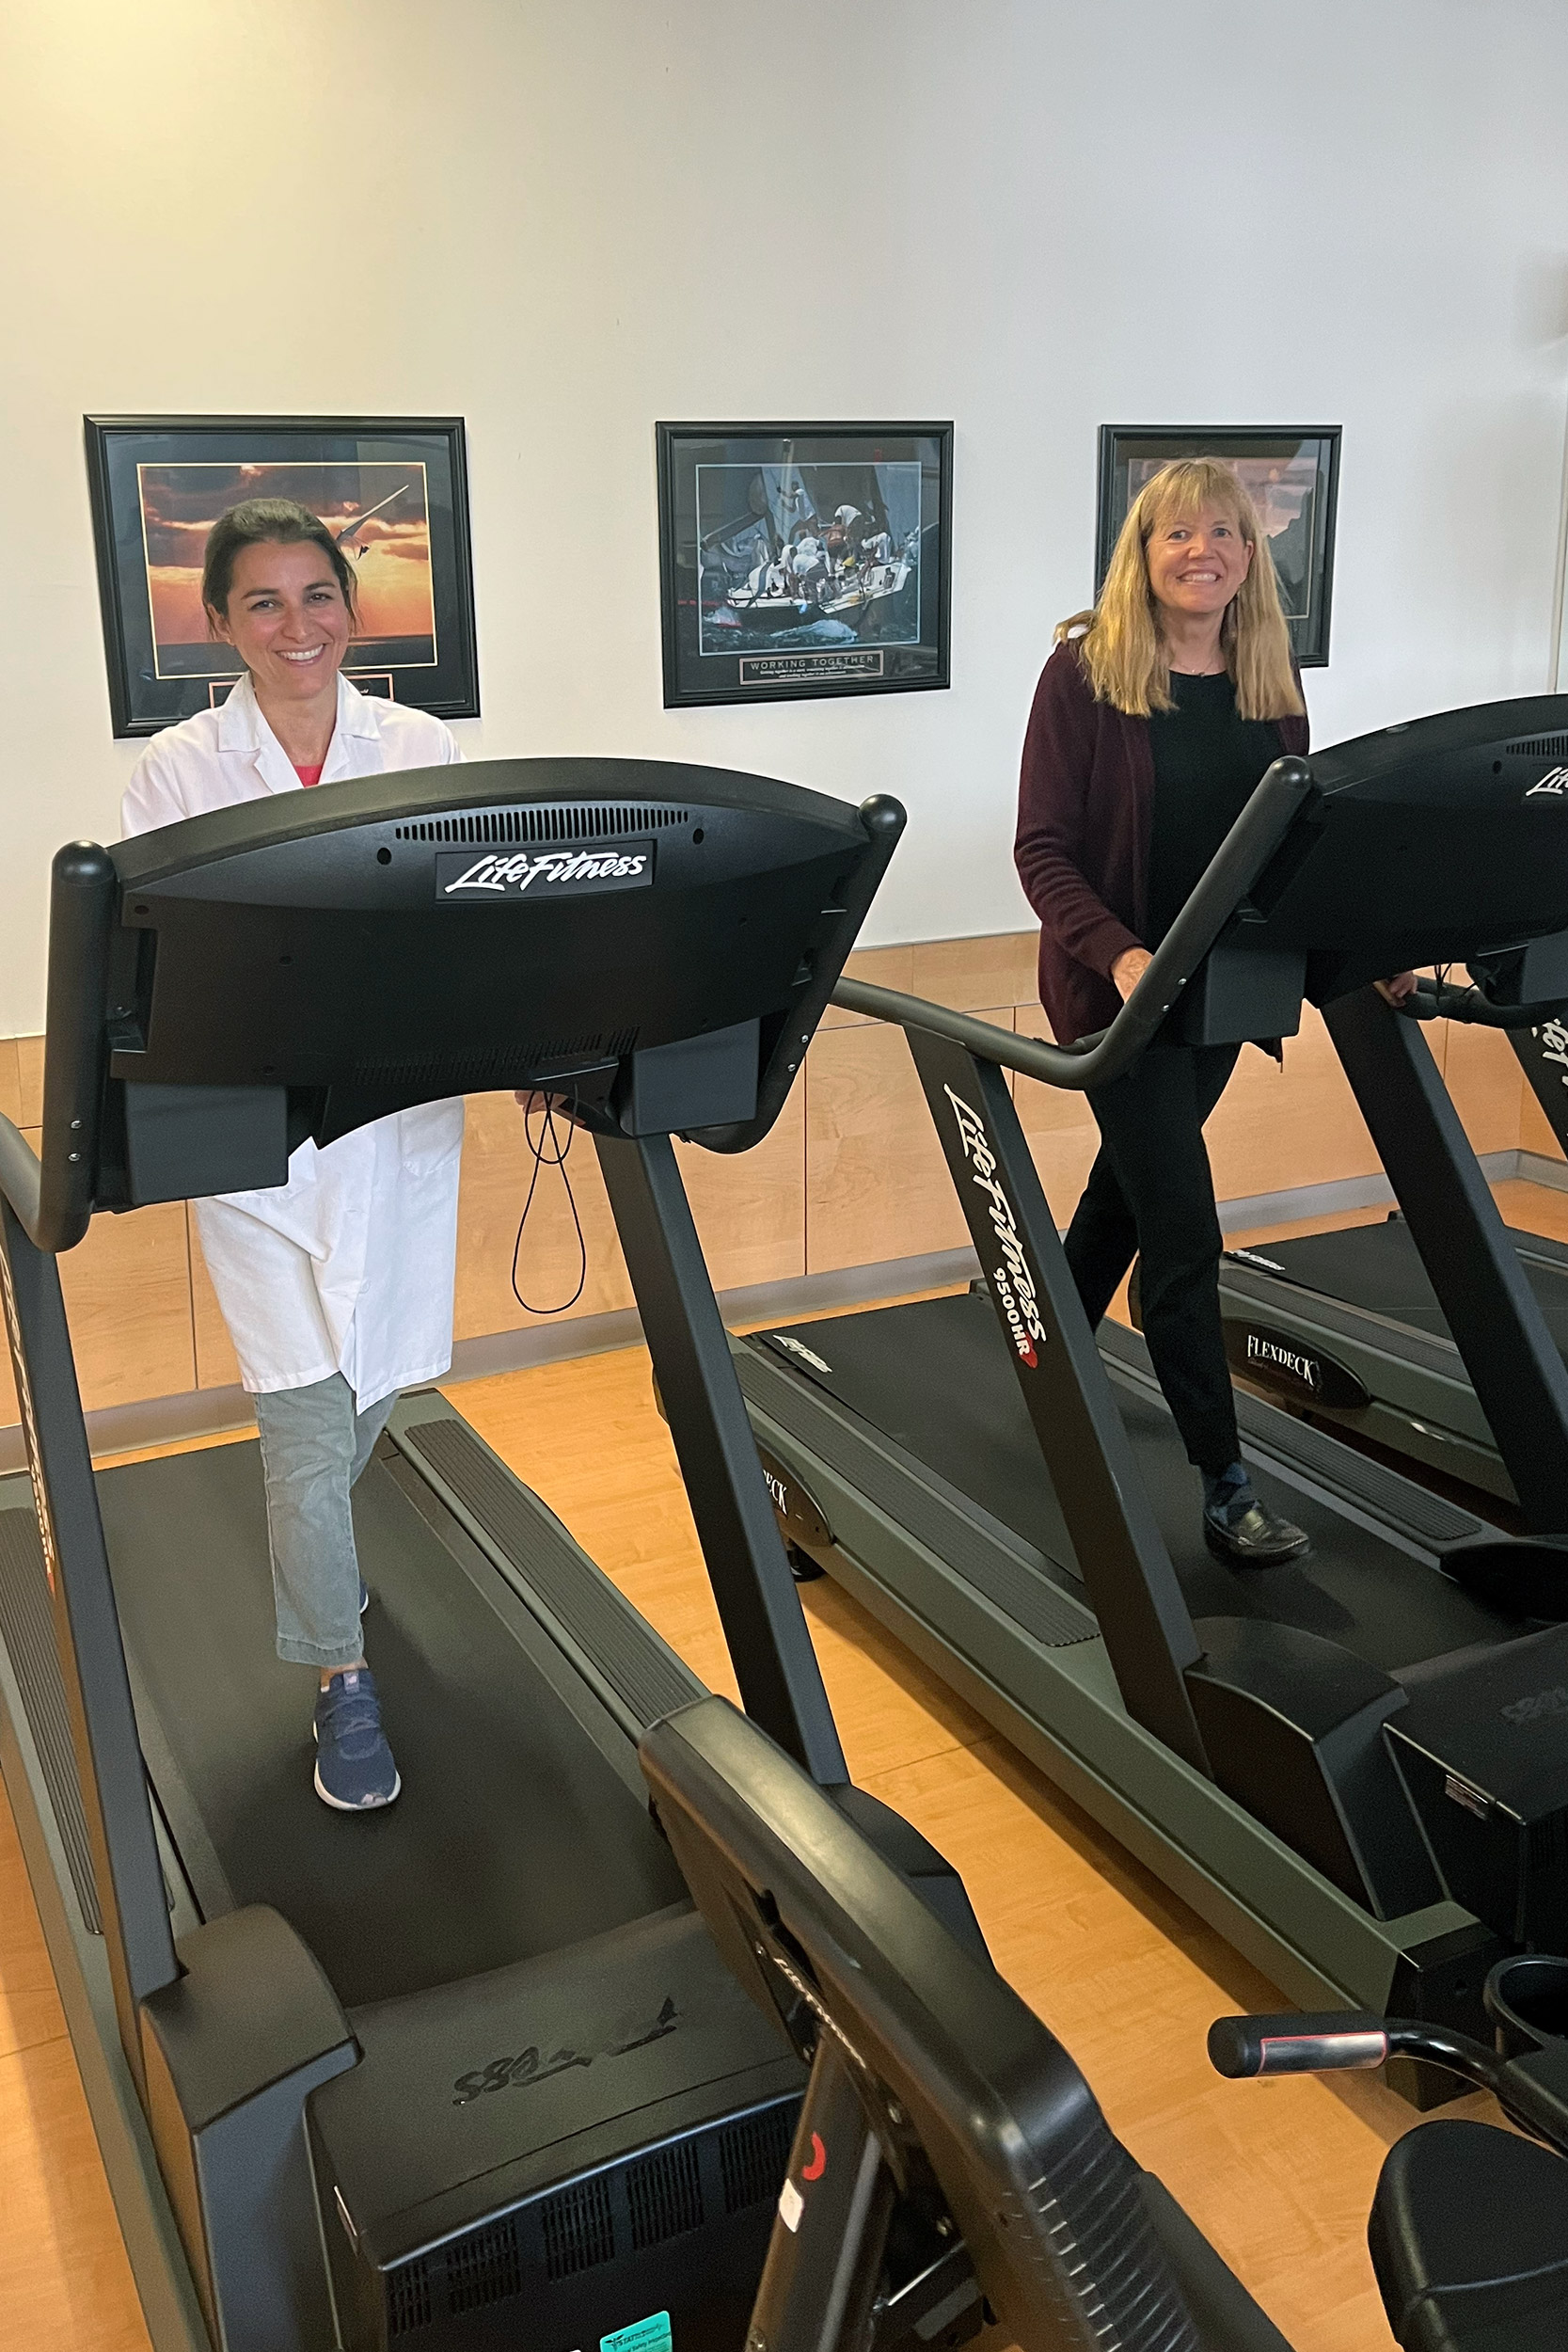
1292 473
393 493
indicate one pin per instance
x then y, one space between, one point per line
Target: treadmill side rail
1126 1568
133 1900
233 2051
1470 1258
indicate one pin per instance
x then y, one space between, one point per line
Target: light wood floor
1280 2175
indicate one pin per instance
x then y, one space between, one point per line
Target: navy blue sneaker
354 1771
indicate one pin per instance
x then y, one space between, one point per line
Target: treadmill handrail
1285 791
1441 1000
21 1180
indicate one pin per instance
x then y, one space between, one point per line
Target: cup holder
1527 2000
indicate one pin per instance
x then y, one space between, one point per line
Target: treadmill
1355 1765
1346 1328
471 2071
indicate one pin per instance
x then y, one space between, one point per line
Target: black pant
1151 1191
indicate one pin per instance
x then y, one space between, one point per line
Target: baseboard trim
213 1412
1347 1193
1536 1168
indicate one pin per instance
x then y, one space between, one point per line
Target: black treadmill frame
45 1206
1308 1942
1465 1426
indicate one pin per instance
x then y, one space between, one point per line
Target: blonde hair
1119 642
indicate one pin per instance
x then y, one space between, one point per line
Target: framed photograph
394 491
1291 472
800 559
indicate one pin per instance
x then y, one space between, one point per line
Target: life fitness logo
1012 1280
1554 783
551 873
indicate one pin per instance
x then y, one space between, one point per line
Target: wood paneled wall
852 1175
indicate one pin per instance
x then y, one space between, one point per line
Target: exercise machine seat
1469 2240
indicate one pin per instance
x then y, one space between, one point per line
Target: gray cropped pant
314 1444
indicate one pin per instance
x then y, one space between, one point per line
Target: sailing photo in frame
804 560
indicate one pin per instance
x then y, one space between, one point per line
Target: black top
1207 763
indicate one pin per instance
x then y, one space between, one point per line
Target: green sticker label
644 2335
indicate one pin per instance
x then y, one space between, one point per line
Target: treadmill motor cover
1483 1750
550 2151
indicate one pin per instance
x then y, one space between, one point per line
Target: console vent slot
580 2228
502 1065
1540 747
754 2157
484 2268
408 2303
665 2195
577 821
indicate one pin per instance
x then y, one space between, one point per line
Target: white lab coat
350 1266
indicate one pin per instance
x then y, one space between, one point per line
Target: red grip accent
818 2165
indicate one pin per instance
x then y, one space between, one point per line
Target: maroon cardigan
1085 815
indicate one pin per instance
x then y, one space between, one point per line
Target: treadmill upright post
1543 1055
1513 1362
1132 1583
131 1898
765 1627
830 2234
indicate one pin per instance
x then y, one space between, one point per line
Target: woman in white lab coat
337 1286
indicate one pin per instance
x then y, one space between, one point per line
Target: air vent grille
721 2179
484 2268
1540 747
408 2303
754 2157
580 2228
577 820
665 2195
1546 1843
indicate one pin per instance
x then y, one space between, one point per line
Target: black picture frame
1309 456
846 609
152 481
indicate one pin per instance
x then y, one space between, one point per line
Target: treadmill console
653 942
1437 842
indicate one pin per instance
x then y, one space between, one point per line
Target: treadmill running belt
512 1834
1378 1268
935 1378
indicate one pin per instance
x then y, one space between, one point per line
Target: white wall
564 221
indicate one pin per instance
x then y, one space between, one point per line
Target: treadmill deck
934 1379
1378 1267
513 1835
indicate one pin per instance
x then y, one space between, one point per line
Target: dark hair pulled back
266 523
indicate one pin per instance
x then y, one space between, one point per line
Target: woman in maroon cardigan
1154 720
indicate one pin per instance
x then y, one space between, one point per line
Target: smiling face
1197 561
287 619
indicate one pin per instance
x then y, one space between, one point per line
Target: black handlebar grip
1337 2040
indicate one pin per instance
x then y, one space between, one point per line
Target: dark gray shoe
1247 1535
